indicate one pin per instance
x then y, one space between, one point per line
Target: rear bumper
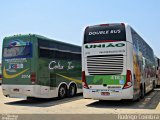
24 91
18 91
123 94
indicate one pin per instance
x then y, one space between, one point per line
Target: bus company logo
6 75
15 66
53 65
105 45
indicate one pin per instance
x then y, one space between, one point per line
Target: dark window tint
58 50
55 54
44 53
17 51
52 44
103 33
142 46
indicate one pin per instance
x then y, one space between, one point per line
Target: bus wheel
62 91
154 85
72 90
142 91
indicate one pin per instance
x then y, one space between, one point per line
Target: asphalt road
77 105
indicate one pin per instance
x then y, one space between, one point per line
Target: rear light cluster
33 78
104 24
111 24
128 80
84 83
101 41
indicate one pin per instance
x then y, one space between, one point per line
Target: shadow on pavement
37 102
150 101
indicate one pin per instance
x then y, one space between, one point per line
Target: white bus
116 63
158 71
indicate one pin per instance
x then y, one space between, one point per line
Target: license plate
105 93
16 90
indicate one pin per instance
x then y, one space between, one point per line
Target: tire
62 92
30 98
154 85
142 91
72 90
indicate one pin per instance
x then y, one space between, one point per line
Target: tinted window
55 54
52 49
17 51
104 33
58 45
142 46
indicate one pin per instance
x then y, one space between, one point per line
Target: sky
65 20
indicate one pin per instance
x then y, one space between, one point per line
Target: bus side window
43 53
134 76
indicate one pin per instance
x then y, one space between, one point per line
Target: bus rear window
100 33
17 52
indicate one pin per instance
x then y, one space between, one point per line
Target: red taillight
128 80
84 80
104 24
111 24
33 78
101 41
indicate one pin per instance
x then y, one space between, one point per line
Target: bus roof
38 36
107 24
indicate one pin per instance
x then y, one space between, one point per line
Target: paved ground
77 105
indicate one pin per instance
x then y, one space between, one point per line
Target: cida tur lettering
53 65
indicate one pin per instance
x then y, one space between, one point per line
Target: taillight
101 41
84 80
33 78
104 24
128 80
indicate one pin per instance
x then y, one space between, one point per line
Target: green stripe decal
71 79
106 79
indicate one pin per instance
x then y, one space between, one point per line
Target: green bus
0 74
35 66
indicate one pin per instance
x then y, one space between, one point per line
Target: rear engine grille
105 64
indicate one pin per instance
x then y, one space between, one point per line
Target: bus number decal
25 76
